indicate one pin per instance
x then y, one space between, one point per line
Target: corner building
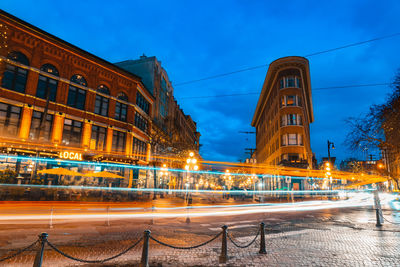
56 97
283 114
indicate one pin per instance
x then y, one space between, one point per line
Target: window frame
75 100
117 136
102 102
48 121
98 133
8 124
14 76
71 133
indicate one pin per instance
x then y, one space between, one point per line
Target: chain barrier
390 221
19 251
243 246
191 247
93 261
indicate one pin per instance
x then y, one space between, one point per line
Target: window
40 127
141 122
99 138
47 87
291 119
76 95
290 81
121 109
72 132
14 77
292 157
10 117
290 100
142 103
292 140
139 148
101 104
118 142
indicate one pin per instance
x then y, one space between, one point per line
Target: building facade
56 97
283 114
170 123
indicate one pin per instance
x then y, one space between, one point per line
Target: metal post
224 249
378 209
39 255
262 241
144 262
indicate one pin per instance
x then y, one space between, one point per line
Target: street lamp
163 174
327 168
330 145
190 165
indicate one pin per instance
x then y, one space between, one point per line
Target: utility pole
250 151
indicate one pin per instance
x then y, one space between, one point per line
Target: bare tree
379 128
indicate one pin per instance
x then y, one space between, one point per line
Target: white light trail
355 200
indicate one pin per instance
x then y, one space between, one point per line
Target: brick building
283 114
56 97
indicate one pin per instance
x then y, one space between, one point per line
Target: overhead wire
314 89
309 55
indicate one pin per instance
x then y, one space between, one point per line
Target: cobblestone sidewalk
302 245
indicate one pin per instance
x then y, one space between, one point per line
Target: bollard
224 250
39 255
144 262
187 215
378 209
262 241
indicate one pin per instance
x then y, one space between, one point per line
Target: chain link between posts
389 220
191 247
244 246
19 251
93 261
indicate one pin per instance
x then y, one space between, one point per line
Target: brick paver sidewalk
315 244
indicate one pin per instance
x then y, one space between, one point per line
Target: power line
314 89
309 55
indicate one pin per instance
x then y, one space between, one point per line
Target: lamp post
163 175
190 165
330 145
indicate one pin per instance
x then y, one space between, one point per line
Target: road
98 237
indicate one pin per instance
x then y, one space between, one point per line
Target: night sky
197 39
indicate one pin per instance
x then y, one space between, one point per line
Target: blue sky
196 39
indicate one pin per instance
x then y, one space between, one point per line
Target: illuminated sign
70 155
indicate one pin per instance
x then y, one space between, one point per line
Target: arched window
77 95
101 104
121 109
14 77
47 87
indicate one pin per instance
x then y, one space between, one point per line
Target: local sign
70 155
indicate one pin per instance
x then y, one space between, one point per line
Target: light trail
260 171
355 200
184 191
